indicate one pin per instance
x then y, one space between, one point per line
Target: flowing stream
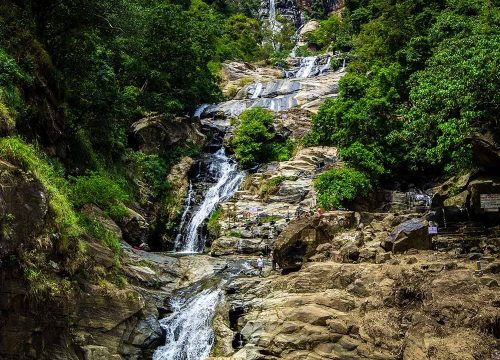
229 178
274 24
189 333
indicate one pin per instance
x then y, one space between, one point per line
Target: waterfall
199 110
189 334
325 67
275 25
187 207
257 91
229 179
306 67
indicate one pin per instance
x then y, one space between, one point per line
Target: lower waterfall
189 333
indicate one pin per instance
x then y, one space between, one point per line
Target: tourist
260 265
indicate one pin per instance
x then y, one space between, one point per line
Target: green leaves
99 189
456 95
423 78
255 141
252 133
340 187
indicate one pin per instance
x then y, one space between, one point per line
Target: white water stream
189 333
229 178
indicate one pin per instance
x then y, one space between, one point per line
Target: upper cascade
306 83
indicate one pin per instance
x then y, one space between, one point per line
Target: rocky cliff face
74 303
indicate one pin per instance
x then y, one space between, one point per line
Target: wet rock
178 178
411 234
156 133
147 333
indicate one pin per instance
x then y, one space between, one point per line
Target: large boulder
449 189
157 133
134 227
411 234
486 151
300 239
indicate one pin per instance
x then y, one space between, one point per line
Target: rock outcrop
486 151
23 208
156 133
277 94
268 199
300 239
386 311
73 302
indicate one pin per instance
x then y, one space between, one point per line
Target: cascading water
274 24
187 207
306 66
229 178
189 334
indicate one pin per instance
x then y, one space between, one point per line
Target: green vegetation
271 186
255 140
339 187
234 233
213 224
414 93
16 151
99 189
332 34
98 231
269 218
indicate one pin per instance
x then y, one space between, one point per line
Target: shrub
213 225
272 185
364 158
339 187
99 189
282 151
252 134
15 150
152 168
98 231
255 140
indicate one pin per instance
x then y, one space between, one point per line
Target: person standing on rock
260 265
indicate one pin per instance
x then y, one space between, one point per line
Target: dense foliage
423 78
255 140
340 187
